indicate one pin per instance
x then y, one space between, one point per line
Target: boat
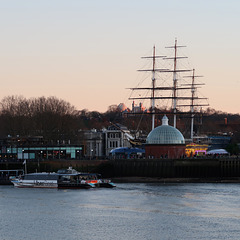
72 179
175 96
7 175
36 180
64 178
97 180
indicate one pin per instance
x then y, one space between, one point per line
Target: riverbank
174 180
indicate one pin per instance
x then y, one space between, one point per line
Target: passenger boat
64 178
36 180
82 180
71 179
97 180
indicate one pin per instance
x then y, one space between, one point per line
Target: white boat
36 180
64 178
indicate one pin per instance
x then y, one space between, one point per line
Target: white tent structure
218 151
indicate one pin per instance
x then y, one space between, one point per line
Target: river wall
178 168
154 168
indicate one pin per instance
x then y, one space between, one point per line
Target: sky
87 52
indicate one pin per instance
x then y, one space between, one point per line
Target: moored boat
97 180
71 179
36 180
64 178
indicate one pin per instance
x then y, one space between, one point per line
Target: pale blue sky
87 52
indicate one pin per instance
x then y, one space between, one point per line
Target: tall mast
174 88
175 81
175 84
192 104
153 88
153 85
193 99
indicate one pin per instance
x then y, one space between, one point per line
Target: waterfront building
95 144
34 148
165 142
218 141
99 143
116 136
194 149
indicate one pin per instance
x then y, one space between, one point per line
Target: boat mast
176 100
153 88
175 81
175 85
192 104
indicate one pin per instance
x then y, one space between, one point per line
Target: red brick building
165 142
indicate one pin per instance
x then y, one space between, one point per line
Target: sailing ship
180 93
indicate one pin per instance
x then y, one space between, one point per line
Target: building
34 148
165 142
218 141
99 143
138 108
116 136
194 149
94 143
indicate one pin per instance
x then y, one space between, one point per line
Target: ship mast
175 84
153 88
192 104
175 80
174 88
194 98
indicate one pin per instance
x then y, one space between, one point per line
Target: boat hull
75 186
23 184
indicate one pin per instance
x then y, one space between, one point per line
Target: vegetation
58 120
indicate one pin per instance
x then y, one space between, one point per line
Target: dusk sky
88 52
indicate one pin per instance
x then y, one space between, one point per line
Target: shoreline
174 180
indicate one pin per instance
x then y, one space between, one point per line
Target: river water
127 212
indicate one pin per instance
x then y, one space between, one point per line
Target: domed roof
122 107
165 134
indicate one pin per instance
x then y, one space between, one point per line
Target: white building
116 136
98 143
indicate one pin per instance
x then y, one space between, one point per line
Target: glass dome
165 134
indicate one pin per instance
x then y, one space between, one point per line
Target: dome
122 107
165 134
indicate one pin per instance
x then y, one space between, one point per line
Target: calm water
130 211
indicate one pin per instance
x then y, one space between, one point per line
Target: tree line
56 119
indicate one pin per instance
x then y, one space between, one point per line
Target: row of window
113 135
113 144
20 150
